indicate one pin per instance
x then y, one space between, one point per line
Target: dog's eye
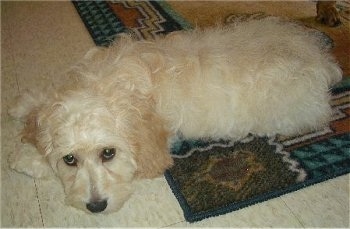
70 160
107 154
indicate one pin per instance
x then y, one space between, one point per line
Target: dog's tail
331 70
336 74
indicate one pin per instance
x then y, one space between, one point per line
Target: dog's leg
327 13
26 160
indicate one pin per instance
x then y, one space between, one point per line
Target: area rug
211 178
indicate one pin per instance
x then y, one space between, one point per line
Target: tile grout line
295 216
17 83
14 60
172 224
37 197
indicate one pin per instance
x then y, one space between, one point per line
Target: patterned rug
211 178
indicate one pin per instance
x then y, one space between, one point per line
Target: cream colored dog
112 123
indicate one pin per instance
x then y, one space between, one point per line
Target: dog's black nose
97 206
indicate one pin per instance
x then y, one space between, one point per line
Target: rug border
186 25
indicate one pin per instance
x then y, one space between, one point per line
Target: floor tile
19 203
342 184
273 213
43 55
320 205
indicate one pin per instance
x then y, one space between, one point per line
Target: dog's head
98 148
98 143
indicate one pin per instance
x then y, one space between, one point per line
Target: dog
113 121
327 13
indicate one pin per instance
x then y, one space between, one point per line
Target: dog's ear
31 129
35 133
24 159
28 108
149 142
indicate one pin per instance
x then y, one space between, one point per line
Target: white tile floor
39 40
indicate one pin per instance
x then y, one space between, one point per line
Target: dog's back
262 76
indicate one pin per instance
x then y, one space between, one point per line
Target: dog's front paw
327 13
24 160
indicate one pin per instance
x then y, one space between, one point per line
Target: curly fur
263 77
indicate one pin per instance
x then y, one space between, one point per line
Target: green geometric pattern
328 156
102 24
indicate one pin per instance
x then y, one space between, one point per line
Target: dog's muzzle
97 206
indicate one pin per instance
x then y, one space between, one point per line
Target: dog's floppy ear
37 134
150 146
30 131
28 109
